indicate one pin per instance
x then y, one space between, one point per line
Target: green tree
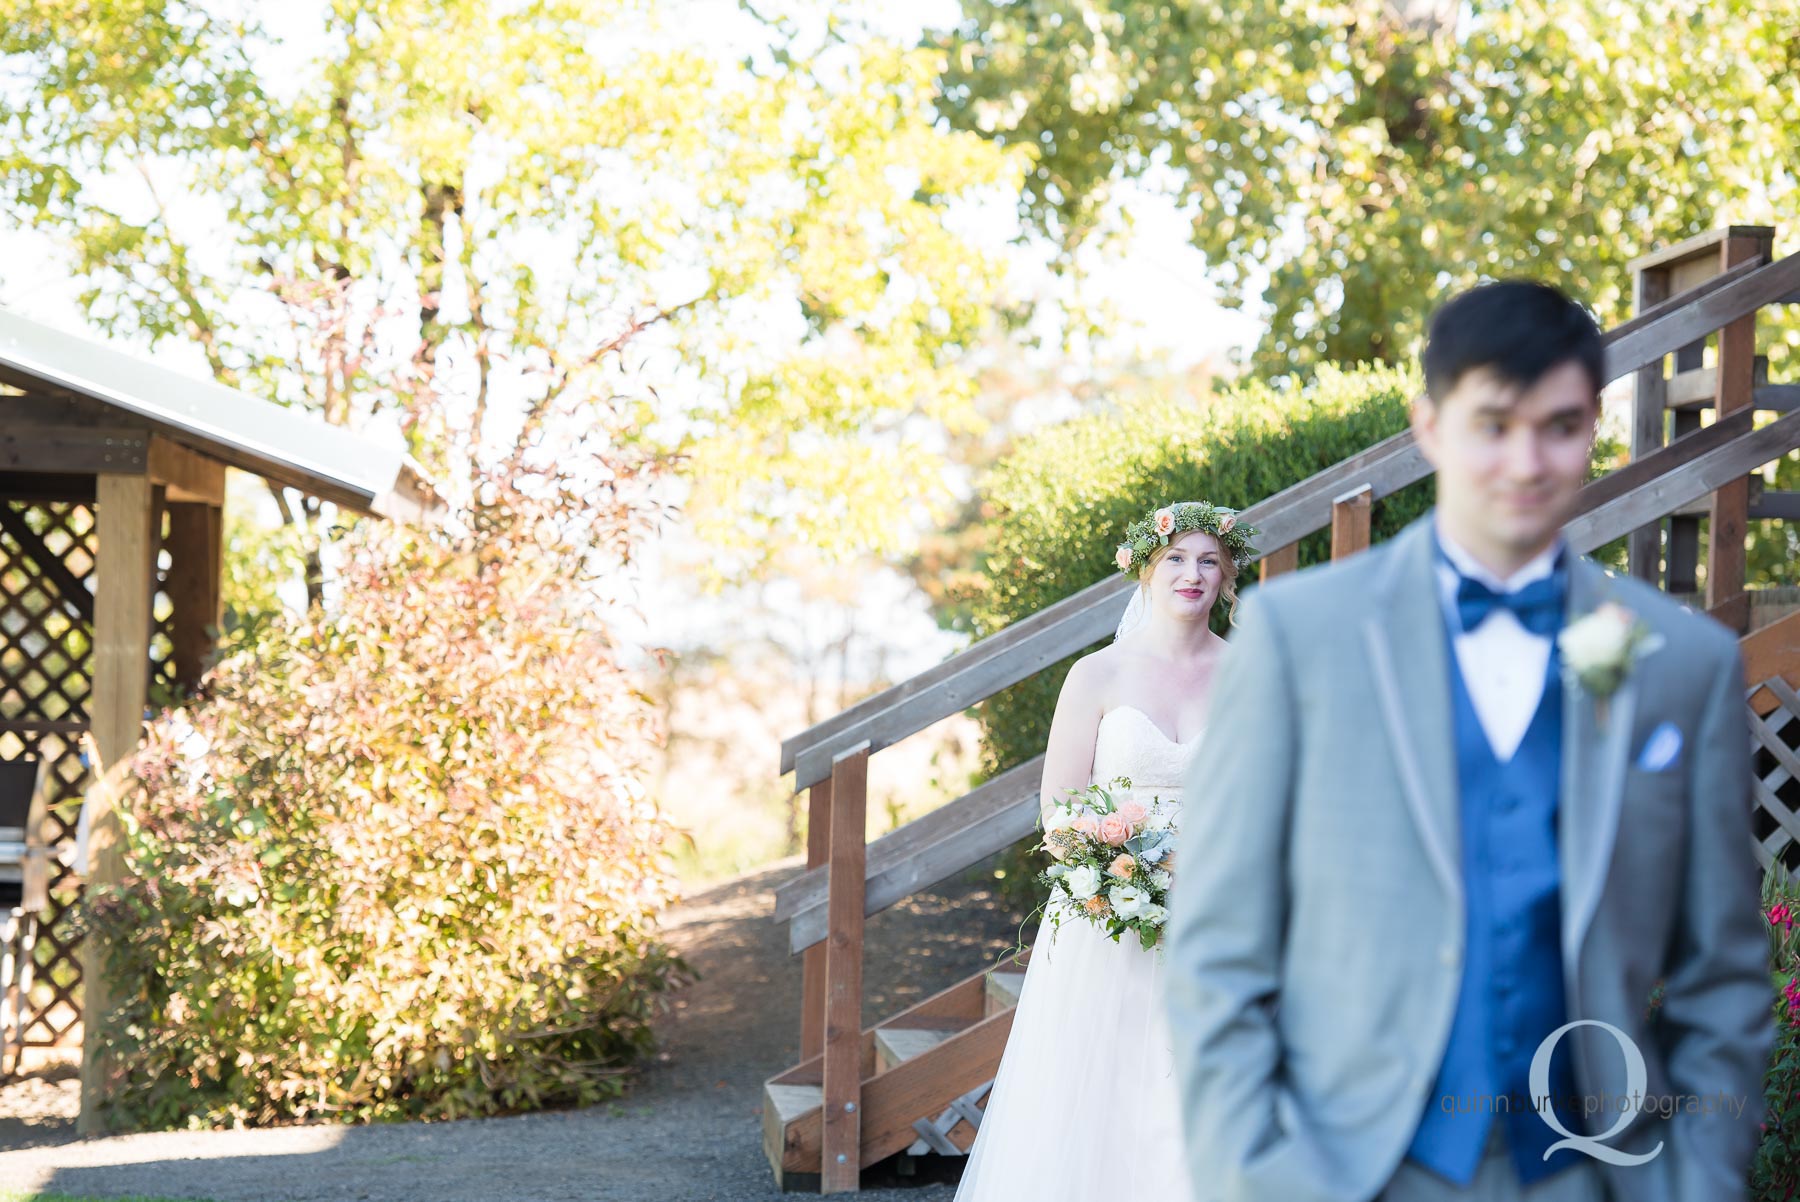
1352 161
493 220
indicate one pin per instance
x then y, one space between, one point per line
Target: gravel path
688 1131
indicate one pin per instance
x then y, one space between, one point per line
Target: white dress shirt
1503 664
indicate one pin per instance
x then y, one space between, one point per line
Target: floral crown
1155 530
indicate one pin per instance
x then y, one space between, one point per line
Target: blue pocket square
1662 750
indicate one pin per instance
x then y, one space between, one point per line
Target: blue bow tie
1538 606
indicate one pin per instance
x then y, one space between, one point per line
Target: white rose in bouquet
1126 900
1083 883
1061 818
1160 879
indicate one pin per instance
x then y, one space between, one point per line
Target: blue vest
1511 996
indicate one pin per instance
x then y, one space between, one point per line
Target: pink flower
1088 825
1122 867
1123 558
1114 830
1792 992
1095 905
1134 813
1165 521
1227 522
1779 913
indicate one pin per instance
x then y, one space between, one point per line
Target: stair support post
1350 522
812 965
1278 561
1649 424
841 1156
1734 389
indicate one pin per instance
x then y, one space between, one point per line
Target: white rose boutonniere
1600 648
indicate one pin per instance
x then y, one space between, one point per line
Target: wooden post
812 970
1735 389
1281 559
196 533
124 566
1643 546
841 1169
1683 569
1350 522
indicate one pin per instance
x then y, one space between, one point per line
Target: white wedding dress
1085 1105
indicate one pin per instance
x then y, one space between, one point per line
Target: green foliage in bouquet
1061 502
396 860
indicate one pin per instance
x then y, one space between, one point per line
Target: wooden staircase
916 1083
925 1078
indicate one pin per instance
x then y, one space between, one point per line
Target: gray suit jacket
1316 944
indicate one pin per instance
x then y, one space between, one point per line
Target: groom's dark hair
1517 330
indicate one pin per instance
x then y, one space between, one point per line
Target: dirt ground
688 1131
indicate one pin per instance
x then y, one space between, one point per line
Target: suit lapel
1593 766
1413 690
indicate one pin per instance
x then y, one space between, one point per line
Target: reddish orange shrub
397 860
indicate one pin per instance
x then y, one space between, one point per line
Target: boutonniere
1599 649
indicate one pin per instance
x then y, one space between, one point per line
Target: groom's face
1510 460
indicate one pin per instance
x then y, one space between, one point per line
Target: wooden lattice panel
46 628
47 560
1776 767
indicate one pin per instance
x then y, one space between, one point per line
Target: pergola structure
112 482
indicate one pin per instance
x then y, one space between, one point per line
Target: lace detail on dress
1129 744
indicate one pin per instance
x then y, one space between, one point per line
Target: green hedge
1060 502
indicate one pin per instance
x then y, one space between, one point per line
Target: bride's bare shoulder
1097 670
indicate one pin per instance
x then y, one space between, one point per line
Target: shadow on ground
689 1130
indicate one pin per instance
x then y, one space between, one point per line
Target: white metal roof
242 430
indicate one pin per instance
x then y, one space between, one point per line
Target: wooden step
783 1106
1003 989
896 1045
927 1066
894 1101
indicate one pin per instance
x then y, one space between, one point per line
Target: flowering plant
1113 861
1153 531
1775 1174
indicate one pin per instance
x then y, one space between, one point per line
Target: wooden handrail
916 856
1027 646
1697 476
1004 809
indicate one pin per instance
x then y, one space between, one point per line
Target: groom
1424 848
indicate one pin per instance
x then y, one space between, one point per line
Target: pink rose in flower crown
1227 522
1134 813
1122 867
1114 830
1123 558
1165 522
1088 825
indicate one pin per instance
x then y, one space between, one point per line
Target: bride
1085 1103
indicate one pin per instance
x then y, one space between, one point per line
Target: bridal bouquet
1113 859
